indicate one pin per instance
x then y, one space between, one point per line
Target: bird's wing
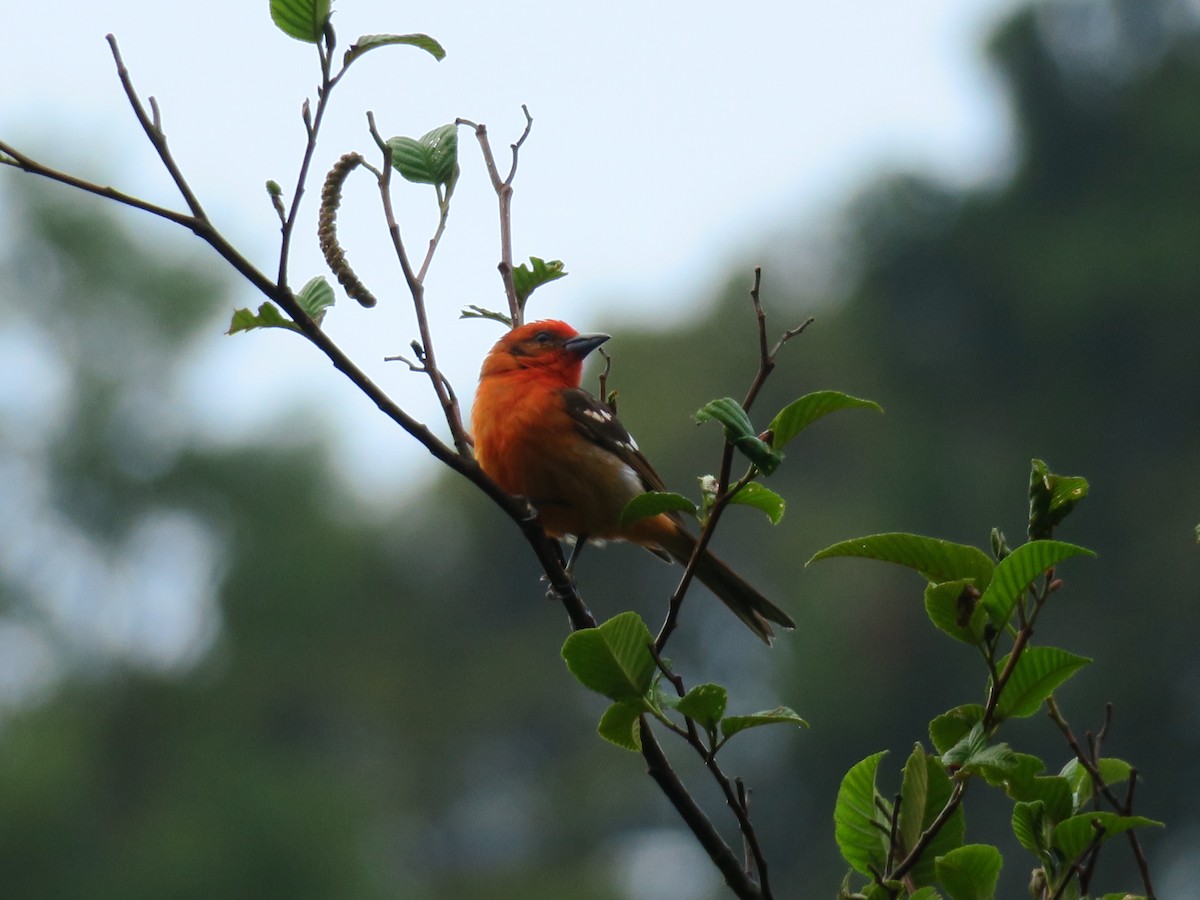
597 423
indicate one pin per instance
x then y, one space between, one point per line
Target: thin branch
311 126
504 190
416 289
152 126
724 494
18 160
659 768
1124 808
927 836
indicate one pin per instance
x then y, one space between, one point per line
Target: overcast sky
669 139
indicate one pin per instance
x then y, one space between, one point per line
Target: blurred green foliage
383 711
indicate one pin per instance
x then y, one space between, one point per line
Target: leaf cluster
617 660
912 845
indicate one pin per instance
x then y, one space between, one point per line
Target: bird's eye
543 337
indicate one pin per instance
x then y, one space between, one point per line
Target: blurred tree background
221 683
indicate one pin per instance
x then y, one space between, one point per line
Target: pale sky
669 140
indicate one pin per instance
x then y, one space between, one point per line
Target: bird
542 437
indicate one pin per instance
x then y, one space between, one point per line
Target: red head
548 347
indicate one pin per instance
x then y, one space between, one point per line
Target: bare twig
311 126
504 190
152 126
659 768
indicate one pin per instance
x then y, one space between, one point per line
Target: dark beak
583 344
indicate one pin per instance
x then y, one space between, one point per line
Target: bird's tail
731 589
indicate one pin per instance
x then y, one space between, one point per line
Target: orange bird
540 436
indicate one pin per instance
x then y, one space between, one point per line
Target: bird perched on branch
540 436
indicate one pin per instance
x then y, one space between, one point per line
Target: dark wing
597 423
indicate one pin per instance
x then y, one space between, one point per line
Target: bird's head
547 346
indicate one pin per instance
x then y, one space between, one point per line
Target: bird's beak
583 344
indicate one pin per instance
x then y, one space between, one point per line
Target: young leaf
861 828
1112 770
706 704
621 725
780 715
799 414
527 279
430 159
953 606
936 560
302 19
1074 835
371 41
761 498
740 433
1051 498
653 503
268 316
970 872
924 792
613 659
973 753
951 727
315 298
1030 828
478 312
1036 675
1017 571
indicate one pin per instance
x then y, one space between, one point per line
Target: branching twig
416 289
724 494
659 768
1124 808
504 190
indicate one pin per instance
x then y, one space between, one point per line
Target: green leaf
953 606
1030 827
935 559
478 312
1022 780
1036 675
761 498
621 725
924 792
799 414
925 893
613 659
739 432
302 19
705 703
653 503
974 754
268 316
1075 835
527 279
951 727
780 715
1051 498
861 827
430 159
371 41
1017 571
1112 770
315 298
970 872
